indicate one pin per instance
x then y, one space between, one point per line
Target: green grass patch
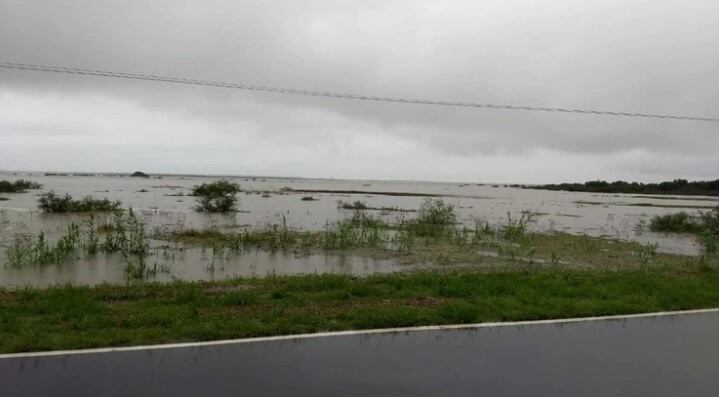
67 317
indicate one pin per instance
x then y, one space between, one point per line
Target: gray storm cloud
639 56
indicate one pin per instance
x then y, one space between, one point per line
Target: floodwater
163 204
674 355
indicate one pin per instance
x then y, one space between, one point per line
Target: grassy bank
110 315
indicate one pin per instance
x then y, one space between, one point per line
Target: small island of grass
139 174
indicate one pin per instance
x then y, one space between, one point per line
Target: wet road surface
675 355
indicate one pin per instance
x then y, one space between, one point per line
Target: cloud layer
639 56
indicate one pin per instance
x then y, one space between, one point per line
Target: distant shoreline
677 186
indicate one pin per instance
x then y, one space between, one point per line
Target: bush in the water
18 186
705 225
219 196
51 202
435 218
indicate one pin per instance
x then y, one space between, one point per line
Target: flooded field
164 205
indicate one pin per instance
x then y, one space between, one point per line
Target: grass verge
67 317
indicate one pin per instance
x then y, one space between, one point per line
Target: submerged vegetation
434 239
361 205
677 186
19 186
67 317
51 202
218 196
705 225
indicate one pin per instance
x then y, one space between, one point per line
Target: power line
296 91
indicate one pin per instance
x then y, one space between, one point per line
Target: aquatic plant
38 250
19 186
218 196
126 236
516 229
51 202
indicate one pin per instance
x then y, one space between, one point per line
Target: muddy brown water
163 204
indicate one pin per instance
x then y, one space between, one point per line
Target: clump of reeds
51 202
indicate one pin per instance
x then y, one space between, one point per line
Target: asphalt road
675 355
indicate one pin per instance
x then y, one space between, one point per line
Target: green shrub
219 196
705 225
19 186
51 202
680 222
435 218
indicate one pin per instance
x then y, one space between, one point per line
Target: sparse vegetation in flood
433 237
361 205
435 218
218 196
125 235
19 186
51 202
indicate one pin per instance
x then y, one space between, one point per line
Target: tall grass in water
435 219
40 251
436 224
126 235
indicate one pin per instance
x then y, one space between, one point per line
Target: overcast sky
636 56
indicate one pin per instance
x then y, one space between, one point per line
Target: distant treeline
677 186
